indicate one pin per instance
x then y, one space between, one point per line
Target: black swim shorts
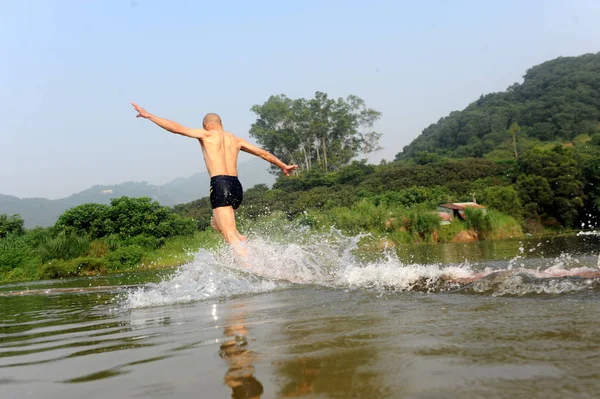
225 191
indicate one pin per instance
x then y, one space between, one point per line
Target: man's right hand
287 169
142 113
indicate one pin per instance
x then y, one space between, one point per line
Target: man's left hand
287 169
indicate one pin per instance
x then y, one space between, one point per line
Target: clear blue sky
70 68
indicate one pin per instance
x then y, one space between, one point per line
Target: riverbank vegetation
129 234
530 155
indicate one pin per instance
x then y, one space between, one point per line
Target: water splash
332 260
591 233
206 277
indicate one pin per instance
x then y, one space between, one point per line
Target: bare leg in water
215 227
223 221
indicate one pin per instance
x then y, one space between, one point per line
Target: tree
89 218
319 132
131 217
512 132
11 225
536 195
504 199
126 217
563 176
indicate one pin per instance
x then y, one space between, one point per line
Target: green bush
89 219
146 242
504 199
11 225
58 268
100 247
28 272
201 211
423 224
35 237
174 225
475 219
14 253
362 216
141 216
502 226
427 197
87 264
126 217
125 257
64 246
448 231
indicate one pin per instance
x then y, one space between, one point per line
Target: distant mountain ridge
44 212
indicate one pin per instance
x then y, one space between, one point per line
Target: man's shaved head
212 119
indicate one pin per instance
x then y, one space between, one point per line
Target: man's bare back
220 150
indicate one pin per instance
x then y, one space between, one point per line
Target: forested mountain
559 101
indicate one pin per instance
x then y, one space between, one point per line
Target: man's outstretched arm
267 156
168 125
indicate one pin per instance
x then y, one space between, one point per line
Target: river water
315 318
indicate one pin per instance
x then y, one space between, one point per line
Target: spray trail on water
332 260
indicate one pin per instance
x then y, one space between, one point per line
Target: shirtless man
220 150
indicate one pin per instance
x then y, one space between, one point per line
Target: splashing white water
203 278
329 261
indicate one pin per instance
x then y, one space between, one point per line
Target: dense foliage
386 199
125 217
558 100
549 126
320 133
552 186
11 225
90 238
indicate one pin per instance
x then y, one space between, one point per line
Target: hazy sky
70 68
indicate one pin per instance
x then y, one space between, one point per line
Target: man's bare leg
215 227
224 218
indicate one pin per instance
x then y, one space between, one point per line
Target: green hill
558 101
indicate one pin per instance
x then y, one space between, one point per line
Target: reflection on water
240 373
328 353
525 248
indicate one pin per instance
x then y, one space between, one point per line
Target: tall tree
319 132
512 132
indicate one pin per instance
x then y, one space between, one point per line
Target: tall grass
64 246
15 253
423 226
364 216
476 220
503 226
178 250
492 225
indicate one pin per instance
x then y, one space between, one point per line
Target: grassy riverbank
32 264
62 251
